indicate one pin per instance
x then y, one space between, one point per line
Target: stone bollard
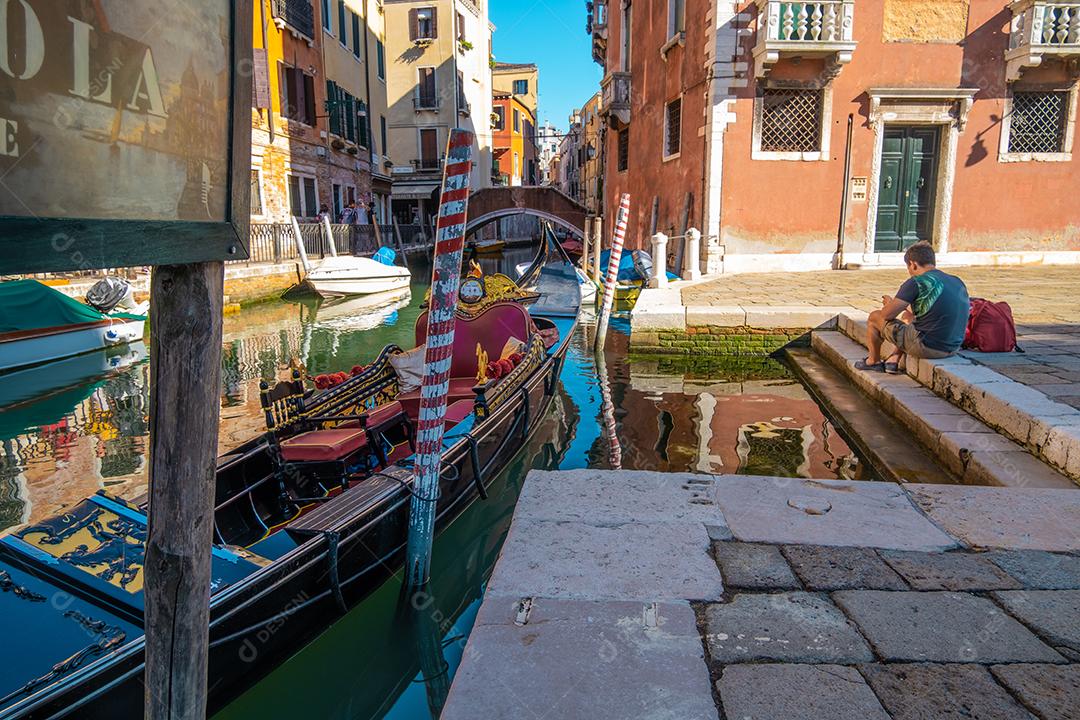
659 261
692 256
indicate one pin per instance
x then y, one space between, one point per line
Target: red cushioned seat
550 336
379 416
458 411
323 445
460 389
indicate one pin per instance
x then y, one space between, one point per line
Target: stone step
971 449
1049 430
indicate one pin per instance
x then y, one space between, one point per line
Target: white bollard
659 261
692 256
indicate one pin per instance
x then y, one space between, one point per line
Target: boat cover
30 305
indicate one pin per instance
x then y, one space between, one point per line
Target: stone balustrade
615 91
804 29
1041 29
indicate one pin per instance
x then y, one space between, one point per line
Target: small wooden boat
309 518
487 247
39 324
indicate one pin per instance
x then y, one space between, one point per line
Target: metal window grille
673 128
1037 124
791 120
624 149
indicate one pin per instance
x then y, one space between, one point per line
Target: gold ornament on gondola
481 364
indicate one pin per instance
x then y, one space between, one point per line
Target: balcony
598 28
804 30
425 102
1039 30
296 14
615 97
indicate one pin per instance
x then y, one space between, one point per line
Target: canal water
68 430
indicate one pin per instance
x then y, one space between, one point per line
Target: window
337 197
676 17
341 22
429 149
382 134
460 27
791 120
380 59
463 104
500 118
1038 121
673 128
623 155
517 121
326 22
517 161
256 193
356 35
423 24
303 198
627 25
344 114
297 95
521 87
425 88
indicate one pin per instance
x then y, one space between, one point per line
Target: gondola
310 518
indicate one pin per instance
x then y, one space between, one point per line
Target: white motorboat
340 275
39 324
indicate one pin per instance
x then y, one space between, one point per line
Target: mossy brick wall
255 287
713 340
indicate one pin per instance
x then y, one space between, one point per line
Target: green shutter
356 35
341 22
333 109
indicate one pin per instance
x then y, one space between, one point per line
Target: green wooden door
906 187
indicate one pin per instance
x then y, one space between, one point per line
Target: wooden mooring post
185 401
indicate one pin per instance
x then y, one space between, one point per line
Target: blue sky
550 33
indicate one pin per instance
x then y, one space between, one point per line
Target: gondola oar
445 281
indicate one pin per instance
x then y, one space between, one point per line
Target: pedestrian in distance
925 319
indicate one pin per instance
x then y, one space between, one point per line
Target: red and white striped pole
445 281
612 271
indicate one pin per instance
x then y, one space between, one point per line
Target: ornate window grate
791 120
624 150
673 128
1037 124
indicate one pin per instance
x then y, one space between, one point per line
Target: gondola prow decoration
445 282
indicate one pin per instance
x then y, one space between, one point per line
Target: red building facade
733 118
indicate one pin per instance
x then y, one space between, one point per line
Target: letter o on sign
33 39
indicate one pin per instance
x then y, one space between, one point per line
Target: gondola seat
458 411
460 389
324 445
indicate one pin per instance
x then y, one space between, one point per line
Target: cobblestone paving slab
793 627
948 571
824 512
575 659
1039 570
797 692
1053 614
841 568
1052 691
942 692
600 497
748 565
1012 518
940 627
647 561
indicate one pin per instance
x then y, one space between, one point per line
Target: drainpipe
841 231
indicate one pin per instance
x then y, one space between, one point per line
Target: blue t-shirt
941 307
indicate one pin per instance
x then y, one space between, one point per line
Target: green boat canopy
31 305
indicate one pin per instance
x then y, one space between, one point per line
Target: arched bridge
490 204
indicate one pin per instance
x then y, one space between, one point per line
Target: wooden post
598 246
586 238
185 399
613 272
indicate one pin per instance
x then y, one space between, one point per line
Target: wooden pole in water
445 280
612 271
185 387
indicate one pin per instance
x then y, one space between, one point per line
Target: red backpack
990 327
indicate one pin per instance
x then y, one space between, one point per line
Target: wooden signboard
125 133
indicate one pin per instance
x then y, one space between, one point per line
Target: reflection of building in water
193 126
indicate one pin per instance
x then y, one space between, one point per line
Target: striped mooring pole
612 271
445 281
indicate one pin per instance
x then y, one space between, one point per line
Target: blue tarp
385 255
634 266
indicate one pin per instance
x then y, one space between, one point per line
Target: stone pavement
625 594
1042 300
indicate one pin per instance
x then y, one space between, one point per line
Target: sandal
892 368
869 367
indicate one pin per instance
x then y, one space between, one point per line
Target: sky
550 33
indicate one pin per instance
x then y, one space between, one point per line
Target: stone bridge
547 203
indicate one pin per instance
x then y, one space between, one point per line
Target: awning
414 190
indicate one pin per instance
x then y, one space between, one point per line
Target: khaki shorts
907 339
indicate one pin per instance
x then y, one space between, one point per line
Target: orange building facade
513 130
734 118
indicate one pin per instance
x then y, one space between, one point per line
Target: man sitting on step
926 319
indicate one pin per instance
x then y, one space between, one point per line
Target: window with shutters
498 118
303 196
673 129
676 17
342 29
623 154
1038 125
382 134
429 149
423 24
327 23
356 37
297 95
461 28
517 121
790 123
426 90
256 192
521 87
380 59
